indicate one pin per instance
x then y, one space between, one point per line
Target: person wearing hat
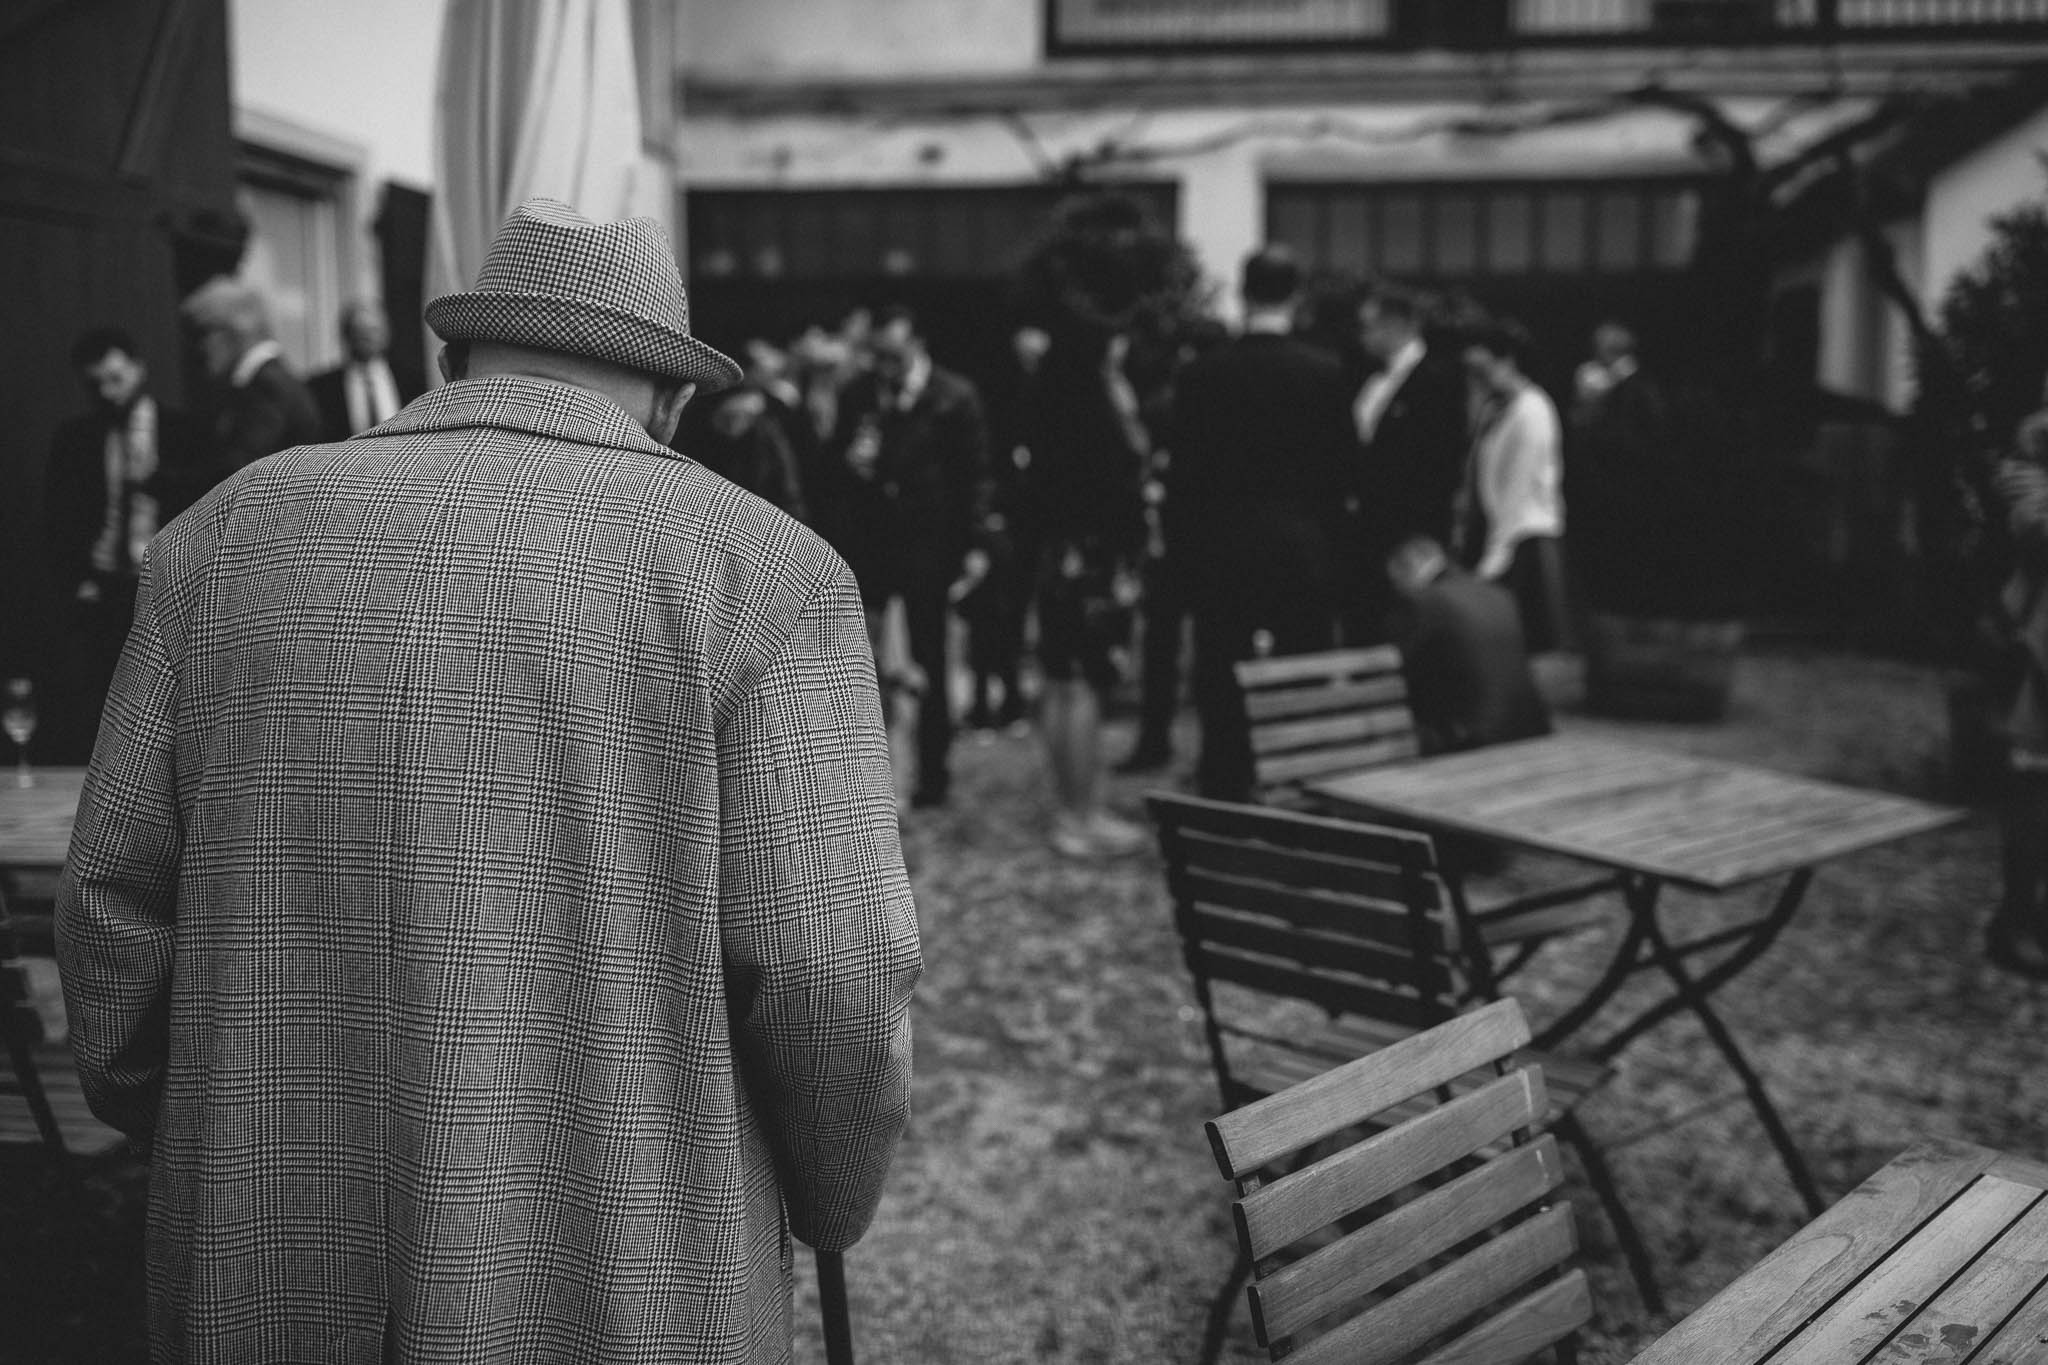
486 903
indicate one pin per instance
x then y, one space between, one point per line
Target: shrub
1975 381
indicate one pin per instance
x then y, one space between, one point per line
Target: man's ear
669 402
447 366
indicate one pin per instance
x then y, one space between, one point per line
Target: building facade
1548 157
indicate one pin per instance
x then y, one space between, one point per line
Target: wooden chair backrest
1317 715
1448 1242
1348 916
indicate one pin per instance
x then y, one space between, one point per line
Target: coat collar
539 407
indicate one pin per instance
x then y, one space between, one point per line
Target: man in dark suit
1462 653
260 406
1410 420
364 391
1261 438
915 491
117 474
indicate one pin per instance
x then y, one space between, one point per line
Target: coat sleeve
820 935
116 899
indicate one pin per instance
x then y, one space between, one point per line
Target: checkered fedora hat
559 282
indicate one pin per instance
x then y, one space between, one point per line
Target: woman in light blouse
1510 525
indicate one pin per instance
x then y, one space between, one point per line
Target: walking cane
832 1308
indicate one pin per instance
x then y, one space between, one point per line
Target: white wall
1962 200
729 39
360 70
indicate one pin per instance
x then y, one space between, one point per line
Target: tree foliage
1977 376
1104 265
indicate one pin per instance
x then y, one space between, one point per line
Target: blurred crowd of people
1081 510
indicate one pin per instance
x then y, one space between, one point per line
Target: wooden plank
1525 1327
1891 1292
1325 952
1973 1306
1346 1270
1334 993
2023 1340
1336 696
1388 1331
1246 1139
2025 1170
1319 762
1750 862
1287 668
1790 816
1283 1211
1774 1298
1355 915
1288 829
1345 728
1356 874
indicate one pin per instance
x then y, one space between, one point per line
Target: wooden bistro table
1654 818
1942 1256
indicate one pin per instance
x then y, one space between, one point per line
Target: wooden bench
1313 941
1435 1234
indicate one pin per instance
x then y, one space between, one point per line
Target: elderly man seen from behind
486 896
259 405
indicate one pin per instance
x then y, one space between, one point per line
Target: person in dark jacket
736 435
1088 465
118 474
1467 669
913 506
1410 419
260 405
1262 437
364 390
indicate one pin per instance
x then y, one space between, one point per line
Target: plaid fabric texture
556 280
486 897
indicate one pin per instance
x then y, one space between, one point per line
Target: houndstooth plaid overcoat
487 899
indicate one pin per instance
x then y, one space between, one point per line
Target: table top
35 822
1698 822
1942 1256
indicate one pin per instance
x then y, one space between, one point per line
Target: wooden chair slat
1390 1330
1516 1333
1284 769
1278 703
1322 952
1372 919
1404 849
1286 668
1332 992
1384 882
1296 1204
1341 1273
1322 732
1246 1139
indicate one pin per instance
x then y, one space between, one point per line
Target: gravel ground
1055 1199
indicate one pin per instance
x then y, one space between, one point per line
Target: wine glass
19 720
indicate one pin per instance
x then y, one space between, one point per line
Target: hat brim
550 322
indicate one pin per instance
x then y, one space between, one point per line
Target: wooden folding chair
1434 1238
21 1029
1313 941
1340 710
